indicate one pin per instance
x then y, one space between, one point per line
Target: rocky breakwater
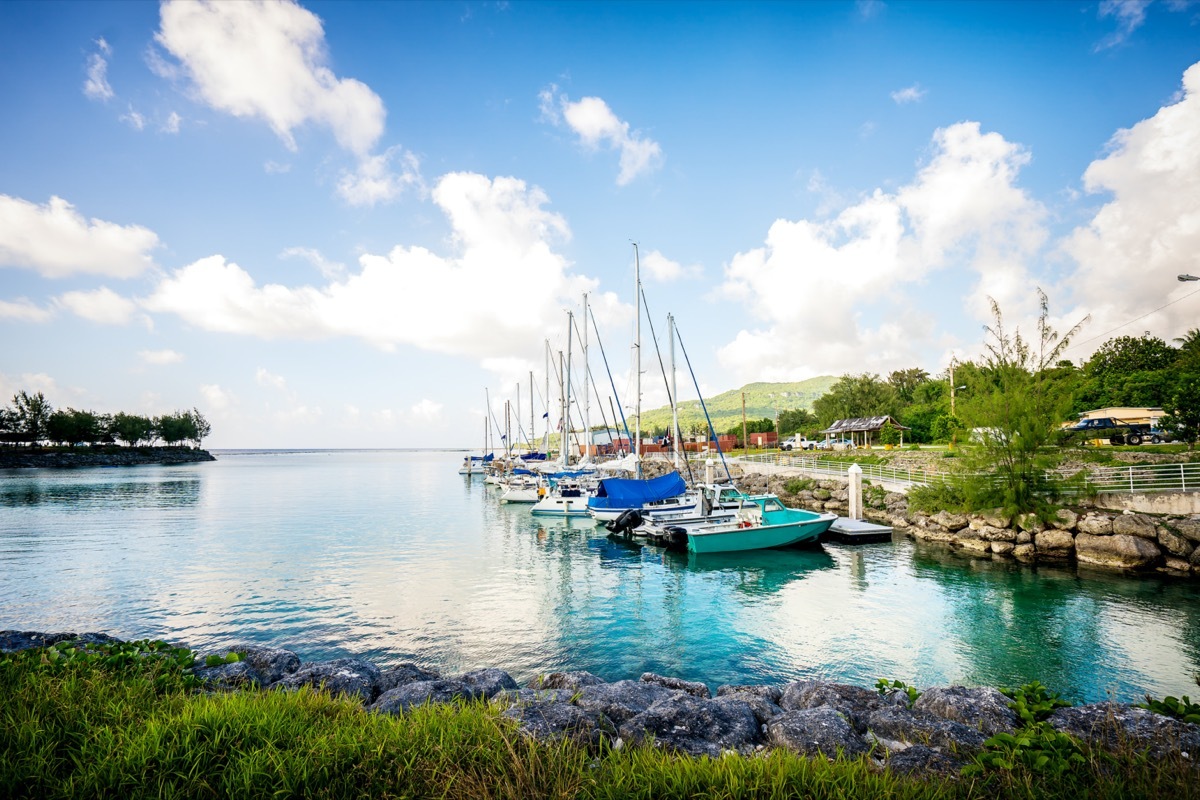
21 457
937 733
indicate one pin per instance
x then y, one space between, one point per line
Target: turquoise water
394 556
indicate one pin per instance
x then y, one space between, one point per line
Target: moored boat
764 522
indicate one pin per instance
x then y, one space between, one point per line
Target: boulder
1095 524
1119 550
924 761
694 688
772 693
951 522
12 641
1024 552
1054 541
1064 519
622 700
1115 725
1002 548
402 675
989 534
1135 525
1024 537
983 708
853 702
815 731
238 675
695 725
525 696
1173 543
996 518
565 680
972 545
896 728
551 721
410 695
1178 565
1030 523
488 682
1189 529
348 676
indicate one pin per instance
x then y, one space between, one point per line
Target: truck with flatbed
1115 430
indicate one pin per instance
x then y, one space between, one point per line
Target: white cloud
134 119
102 305
807 283
1129 14
267 60
270 380
1149 231
96 86
31 382
328 269
276 168
160 357
596 124
216 398
460 304
909 94
664 270
375 181
172 123
427 411
869 9
57 241
23 310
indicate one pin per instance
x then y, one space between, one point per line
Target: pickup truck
797 443
1116 431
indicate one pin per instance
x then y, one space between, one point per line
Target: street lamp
1185 277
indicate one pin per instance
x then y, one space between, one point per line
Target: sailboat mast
674 394
637 353
547 443
562 420
567 378
587 395
532 432
519 409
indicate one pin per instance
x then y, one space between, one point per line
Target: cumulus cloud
102 305
1149 230
503 258
268 61
133 119
910 94
328 269
596 125
376 180
1129 16
662 269
96 86
172 124
160 358
216 398
23 310
56 241
270 380
426 411
962 208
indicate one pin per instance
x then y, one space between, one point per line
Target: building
1128 414
862 430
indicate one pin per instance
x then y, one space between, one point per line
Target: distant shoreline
42 458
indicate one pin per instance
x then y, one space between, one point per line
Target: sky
338 224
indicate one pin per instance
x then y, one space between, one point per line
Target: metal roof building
861 430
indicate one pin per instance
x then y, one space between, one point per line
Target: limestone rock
1095 525
488 682
901 725
1054 540
1024 552
238 675
854 702
1113 725
996 518
949 521
349 676
565 680
410 695
1135 525
622 700
696 726
694 688
983 708
813 731
1179 565
550 721
1031 523
402 675
772 693
1065 519
974 545
1119 550
1189 529
1002 548
1024 537
272 663
922 760
1173 543
989 534
526 696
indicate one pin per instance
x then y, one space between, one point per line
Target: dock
856 531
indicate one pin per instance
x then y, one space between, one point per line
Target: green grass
86 729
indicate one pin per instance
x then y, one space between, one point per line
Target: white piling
855 474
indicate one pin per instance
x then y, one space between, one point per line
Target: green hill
762 400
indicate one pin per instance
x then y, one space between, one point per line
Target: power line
1130 322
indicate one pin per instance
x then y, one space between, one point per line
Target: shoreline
107 456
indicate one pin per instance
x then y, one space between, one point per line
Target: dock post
855 475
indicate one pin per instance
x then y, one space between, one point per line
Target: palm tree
1189 343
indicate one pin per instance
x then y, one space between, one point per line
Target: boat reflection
752 571
135 494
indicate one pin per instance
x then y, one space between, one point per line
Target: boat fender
626 522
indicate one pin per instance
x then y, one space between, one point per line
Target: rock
1065 519
772 693
1024 552
1194 559
402 675
238 675
488 682
922 760
854 702
951 522
1173 543
1030 523
272 663
1095 524
13 641
974 545
989 534
1002 548
694 688
1176 565
1119 550
983 708
996 518
1116 725
410 695
896 725
565 680
1189 529
348 676
551 721
696 726
1054 541
813 731
1135 525
1024 537
525 696
821 494
622 700
763 707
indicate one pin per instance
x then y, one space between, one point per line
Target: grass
87 730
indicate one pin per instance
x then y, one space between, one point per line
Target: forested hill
762 401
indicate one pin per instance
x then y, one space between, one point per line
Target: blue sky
335 224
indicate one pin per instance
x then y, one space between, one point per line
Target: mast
587 395
546 442
519 407
562 420
674 395
637 354
532 432
567 391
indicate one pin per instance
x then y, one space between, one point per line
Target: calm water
394 556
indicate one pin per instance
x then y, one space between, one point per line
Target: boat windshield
772 504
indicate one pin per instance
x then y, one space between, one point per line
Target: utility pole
745 440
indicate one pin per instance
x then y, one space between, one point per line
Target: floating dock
856 531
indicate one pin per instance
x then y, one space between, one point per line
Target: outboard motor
625 523
677 537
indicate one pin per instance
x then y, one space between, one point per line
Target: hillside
762 400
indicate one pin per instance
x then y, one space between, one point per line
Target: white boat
522 489
666 493
568 498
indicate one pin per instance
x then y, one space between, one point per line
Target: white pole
587 394
567 378
855 475
674 395
637 352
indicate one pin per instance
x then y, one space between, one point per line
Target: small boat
522 488
475 465
568 498
664 494
762 522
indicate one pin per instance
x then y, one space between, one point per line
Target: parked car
797 443
1115 430
836 444
1158 436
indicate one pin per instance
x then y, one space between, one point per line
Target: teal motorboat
762 522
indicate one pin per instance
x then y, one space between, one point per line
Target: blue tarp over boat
634 493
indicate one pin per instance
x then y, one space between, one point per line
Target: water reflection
126 493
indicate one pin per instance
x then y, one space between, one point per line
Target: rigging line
663 369
703 405
1130 322
624 424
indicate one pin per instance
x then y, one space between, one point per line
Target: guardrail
1132 479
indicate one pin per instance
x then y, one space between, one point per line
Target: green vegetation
763 400
1179 708
31 420
1037 747
884 686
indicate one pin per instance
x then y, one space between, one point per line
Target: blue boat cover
634 493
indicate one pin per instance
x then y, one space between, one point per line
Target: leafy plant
798 485
1036 748
938 496
215 660
884 687
1034 702
1181 708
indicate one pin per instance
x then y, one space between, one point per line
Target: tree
8 426
1017 407
1183 410
906 381
856 396
176 428
32 416
796 420
131 428
73 427
889 434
